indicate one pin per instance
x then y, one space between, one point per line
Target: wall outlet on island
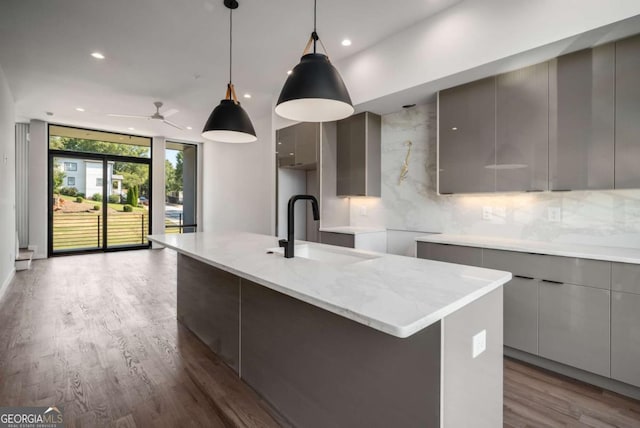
479 343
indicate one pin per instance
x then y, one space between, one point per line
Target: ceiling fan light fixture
314 91
229 122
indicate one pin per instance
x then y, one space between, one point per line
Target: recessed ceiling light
290 154
189 128
454 128
279 142
97 55
290 71
131 129
247 95
79 109
346 42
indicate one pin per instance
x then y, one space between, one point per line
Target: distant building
86 176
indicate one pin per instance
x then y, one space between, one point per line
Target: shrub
79 200
97 197
69 191
82 195
132 195
114 199
127 208
96 207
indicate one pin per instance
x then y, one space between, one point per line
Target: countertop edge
531 248
396 331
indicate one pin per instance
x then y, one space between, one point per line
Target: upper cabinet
467 118
627 147
522 130
297 145
493 133
571 123
581 137
358 155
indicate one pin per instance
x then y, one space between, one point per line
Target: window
70 166
116 185
102 142
98 181
71 181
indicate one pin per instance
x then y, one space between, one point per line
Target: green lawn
117 207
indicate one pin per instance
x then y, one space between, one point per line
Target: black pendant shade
229 123
314 92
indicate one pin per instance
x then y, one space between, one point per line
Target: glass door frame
105 158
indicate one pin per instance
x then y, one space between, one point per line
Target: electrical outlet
479 343
554 214
500 213
363 210
487 213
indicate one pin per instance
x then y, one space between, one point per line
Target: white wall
7 178
472 34
38 180
589 217
239 183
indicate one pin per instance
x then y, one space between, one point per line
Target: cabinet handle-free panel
625 277
450 253
574 326
625 338
521 314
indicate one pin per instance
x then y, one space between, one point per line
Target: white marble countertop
613 254
394 294
352 230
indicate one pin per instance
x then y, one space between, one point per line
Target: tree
132 196
171 184
179 166
58 179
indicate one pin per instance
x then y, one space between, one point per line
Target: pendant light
314 91
228 122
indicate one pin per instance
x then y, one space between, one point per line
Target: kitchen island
341 337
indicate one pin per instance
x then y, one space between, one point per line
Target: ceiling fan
156 115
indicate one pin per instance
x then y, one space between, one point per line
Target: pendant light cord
314 35
230 42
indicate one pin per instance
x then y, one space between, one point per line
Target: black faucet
288 243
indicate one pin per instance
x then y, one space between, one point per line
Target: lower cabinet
574 326
338 239
521 314
450 253
625 337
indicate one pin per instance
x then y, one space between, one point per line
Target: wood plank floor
97 334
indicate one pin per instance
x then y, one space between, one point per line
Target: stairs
23 261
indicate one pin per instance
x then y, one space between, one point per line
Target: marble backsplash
588 217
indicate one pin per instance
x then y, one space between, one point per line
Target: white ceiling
173 51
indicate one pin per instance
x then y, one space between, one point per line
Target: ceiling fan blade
133 116
170 112
172 124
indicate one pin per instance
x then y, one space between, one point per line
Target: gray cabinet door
574 326
521 314
466 129
522 125
338 239
450 253
286 146
627 147
306 143
581 120
625 277
358 156
625 338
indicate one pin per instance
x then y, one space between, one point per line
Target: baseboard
587 377
6 282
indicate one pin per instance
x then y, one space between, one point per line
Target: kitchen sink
337 256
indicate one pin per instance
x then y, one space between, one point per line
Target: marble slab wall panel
609 217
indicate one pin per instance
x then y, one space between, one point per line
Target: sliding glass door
100 191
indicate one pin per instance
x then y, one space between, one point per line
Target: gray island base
319 369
